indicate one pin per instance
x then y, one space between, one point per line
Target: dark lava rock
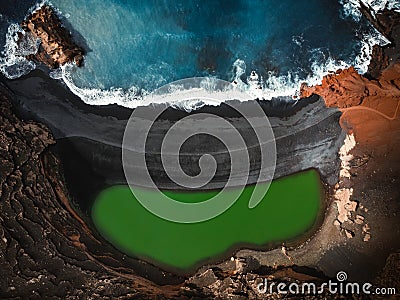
387 22
46 249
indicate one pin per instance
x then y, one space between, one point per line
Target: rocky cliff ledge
57 46
347 88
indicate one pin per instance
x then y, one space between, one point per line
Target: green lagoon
288 211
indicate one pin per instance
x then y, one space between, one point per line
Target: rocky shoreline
386 22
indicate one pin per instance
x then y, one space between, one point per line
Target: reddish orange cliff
370 106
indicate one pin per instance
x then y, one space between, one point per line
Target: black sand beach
92 135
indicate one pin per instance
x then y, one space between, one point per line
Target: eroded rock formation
347 88
57 46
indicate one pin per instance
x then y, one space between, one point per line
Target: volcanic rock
387 22
347 88
57 46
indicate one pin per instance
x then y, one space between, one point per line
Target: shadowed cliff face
387 23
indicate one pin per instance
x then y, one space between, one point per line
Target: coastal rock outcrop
57 46
387 23
370 102
347 88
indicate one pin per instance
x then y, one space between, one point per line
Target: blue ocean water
150 43
135 47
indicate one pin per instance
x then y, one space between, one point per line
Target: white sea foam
256 86
19 43
127 98
38 6
177 96
289 84
363 59
351 8
14 65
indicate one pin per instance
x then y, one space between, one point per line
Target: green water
289 209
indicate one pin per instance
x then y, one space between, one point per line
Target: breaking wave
19 44
261 86
351 8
